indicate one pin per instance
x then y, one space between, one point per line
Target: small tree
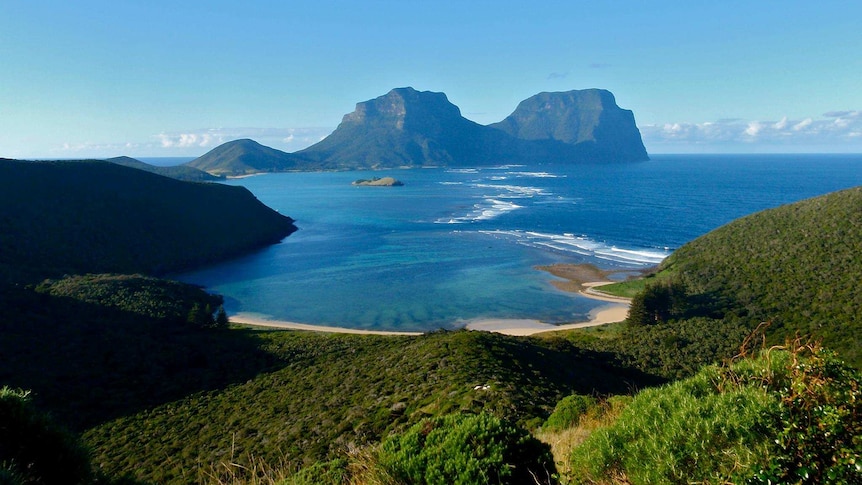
200 317
221 320
658 303
568 412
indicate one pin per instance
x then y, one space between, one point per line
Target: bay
453 245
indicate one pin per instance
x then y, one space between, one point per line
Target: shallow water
459 244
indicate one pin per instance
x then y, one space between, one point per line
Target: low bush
466 449
784 417
568 412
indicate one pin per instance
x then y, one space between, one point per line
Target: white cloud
836 130
754 128
287 139
803 124
202 138
191 143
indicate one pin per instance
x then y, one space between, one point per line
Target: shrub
783 417
819 424
568 412
466 449
33 449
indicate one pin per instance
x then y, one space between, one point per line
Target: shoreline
255 320
615 311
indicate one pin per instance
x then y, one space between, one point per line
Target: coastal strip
258 321
615 311
575 278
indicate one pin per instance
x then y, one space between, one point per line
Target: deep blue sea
453 245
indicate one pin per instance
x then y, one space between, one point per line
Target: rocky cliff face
404 128
410 128
587 117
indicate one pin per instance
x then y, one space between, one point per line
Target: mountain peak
587 116
404 106
402 128
410 128
244 156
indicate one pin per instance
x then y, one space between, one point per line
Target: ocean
454 245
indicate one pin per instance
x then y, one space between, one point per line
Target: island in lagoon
378 182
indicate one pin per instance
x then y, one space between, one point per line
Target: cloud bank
194 143
832 131
287 139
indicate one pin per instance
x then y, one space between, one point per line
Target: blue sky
154 78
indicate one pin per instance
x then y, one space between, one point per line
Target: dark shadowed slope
91 216
179 172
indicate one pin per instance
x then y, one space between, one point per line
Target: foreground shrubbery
783 417
466 449
35 449
453 449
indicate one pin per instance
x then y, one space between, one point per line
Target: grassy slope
797 266
330 392
96 217
164 401
784 416
242 157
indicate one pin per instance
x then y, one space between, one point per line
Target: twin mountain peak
406 128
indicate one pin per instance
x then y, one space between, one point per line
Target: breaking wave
584 246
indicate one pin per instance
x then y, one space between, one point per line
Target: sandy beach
615 311
259 321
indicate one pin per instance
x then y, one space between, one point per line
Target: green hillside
795 268
243 157
163 400
163 392
97 217
783 415
333 392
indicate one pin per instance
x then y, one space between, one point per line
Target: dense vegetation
61 218
465 449
162 399
794 268
34 448
142 295
163 391
326 394
242 157
786 416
